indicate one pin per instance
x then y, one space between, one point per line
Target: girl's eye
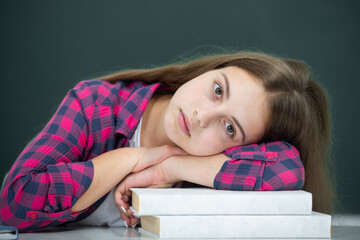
229 129
218 90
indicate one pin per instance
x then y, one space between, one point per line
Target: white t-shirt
107 214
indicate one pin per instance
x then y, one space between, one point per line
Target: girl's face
217 110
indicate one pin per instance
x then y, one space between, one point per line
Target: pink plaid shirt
54 170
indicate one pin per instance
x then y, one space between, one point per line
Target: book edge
141 230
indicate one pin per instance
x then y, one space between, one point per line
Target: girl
232 121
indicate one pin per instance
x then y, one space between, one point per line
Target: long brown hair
298 106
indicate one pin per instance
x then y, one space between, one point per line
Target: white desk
88 233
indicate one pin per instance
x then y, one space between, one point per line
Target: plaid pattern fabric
261 167
54 170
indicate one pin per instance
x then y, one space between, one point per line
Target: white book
316 225
200 201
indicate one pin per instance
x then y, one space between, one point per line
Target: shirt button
270 156
33 216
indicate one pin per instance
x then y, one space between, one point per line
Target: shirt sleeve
50 175
261 167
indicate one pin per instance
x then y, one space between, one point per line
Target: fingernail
133 226
122 208
126 224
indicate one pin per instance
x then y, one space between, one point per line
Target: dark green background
46 47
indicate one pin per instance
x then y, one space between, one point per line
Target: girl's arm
265 166
199 170
111 167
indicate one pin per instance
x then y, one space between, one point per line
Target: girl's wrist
172 169
126 158
199 170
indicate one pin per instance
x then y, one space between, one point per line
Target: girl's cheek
214 141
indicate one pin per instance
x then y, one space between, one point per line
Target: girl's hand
146 157
156 176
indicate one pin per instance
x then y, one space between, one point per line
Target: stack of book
209 213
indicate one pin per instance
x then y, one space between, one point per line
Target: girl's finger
127 211
178 151
125 198
124 208
134 221
129 193
122 205
156 155
168 151
126 219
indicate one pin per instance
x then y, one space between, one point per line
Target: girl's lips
187 122
183 123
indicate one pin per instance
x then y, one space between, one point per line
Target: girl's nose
204 117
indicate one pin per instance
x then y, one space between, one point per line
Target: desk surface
78 233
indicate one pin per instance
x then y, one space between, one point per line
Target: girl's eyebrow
227 92
227 85
240 127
